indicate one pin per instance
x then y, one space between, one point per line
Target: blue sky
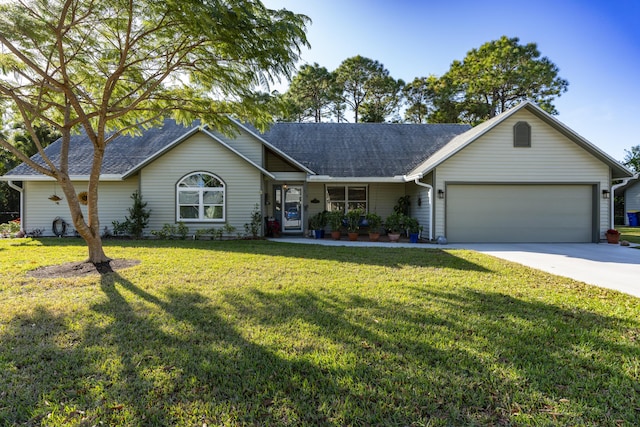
595 44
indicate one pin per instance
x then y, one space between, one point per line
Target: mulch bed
81 269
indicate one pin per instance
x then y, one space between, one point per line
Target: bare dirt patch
81 269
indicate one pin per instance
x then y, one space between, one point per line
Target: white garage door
519 213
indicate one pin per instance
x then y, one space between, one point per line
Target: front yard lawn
261 333
631 234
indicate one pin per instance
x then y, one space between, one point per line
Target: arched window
200 196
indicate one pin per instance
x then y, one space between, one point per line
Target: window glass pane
188 212
212 197
336 193
188 197
213 212
201 180
201 197
210 181
357 193
358 205
336 206
190 181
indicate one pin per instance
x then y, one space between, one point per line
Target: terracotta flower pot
335 235
353 236
614 239
373 237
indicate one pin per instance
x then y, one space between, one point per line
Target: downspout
430 188
613 196
21 191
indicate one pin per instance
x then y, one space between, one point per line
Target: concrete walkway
608 266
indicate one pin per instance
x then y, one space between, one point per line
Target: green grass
631 234
262 333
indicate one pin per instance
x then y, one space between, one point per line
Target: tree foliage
365 82
22 140
632 158
101 66
419 96
310 94
490 80
497 76
383 98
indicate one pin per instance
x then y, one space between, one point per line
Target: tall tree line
489 80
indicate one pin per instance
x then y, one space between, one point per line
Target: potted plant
375 221
394 224
613 236
317 223
335 223
413 228
353 223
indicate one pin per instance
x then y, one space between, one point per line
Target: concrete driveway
608 266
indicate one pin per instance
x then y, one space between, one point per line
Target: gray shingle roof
334 149
361 149
122 154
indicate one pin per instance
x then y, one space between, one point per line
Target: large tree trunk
96 253
90 231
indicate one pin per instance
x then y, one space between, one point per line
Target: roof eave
617 169
358 179
45 178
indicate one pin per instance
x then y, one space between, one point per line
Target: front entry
287 207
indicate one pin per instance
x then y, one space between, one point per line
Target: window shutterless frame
345 198
200 197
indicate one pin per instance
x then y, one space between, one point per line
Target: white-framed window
345 198
200 196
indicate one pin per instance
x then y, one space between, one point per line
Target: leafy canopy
632 158
498 75
363 80
99 66
116 65
310 94
419 96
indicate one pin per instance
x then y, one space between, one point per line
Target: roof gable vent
522 134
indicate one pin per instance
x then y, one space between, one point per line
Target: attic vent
522 135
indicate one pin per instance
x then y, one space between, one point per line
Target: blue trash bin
633 218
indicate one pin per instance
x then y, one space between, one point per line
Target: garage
513 213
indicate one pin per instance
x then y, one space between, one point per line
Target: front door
288 208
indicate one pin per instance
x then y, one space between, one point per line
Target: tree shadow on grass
299 357
32 365
585 361
490 359
374 256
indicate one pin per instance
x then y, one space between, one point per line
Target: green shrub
9 229
253 228
138 218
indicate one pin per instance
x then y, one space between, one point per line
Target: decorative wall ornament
83 197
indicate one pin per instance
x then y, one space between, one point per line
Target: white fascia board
237 153
273 147
45 178
359 179
593 149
